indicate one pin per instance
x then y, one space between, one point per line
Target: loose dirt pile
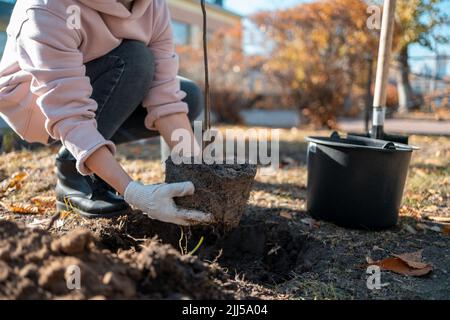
35 265
277 251
266 248
222 190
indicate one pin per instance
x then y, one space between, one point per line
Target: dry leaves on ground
439 228
312 223
38 205
408 264
44 203
286 215
410 212
22 208
439 219
14 182
446 229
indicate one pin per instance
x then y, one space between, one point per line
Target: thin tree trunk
405 93
369 98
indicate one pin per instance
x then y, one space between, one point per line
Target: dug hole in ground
276 252
125 257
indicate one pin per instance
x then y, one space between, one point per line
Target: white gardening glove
157 202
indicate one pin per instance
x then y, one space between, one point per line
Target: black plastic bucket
356 182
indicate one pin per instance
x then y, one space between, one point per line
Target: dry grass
337 275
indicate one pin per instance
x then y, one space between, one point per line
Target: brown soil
35 265
222 190
276 252
268 245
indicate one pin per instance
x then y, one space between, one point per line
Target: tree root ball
220 189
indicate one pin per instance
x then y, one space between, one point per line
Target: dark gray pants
120 81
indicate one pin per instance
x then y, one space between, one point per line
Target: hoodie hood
117 9
44 86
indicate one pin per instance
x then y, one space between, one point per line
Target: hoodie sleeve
165 96
48 50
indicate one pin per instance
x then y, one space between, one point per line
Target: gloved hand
157 202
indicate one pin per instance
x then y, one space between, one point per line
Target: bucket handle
390 146
335 136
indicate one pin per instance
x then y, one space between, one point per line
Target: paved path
402 126
291 118
271 118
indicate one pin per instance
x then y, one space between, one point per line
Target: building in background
441 65
186 16
187 19
5 12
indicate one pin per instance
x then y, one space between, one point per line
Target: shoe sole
61 206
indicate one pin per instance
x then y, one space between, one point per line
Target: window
216 2
6 7
181 33
2 42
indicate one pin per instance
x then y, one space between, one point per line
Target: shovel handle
384 59
384 53
207 120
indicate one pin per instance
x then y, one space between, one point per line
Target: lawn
278 252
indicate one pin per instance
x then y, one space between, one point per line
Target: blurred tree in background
319 59
417 21
321 53
228 73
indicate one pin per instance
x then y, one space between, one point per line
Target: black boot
88 196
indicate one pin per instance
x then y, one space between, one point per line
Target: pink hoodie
43 86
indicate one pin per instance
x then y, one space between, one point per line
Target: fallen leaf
44 203
377 248
446 229
398 266
439 219
21 208
423 226
413 259
432 208
59 223
420 172
409 264
435 228
410 229
13 182
273 250
286 214
38 223
410 212
310 222
19 176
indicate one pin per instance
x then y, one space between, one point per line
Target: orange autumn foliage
321 52
408 264
226 59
